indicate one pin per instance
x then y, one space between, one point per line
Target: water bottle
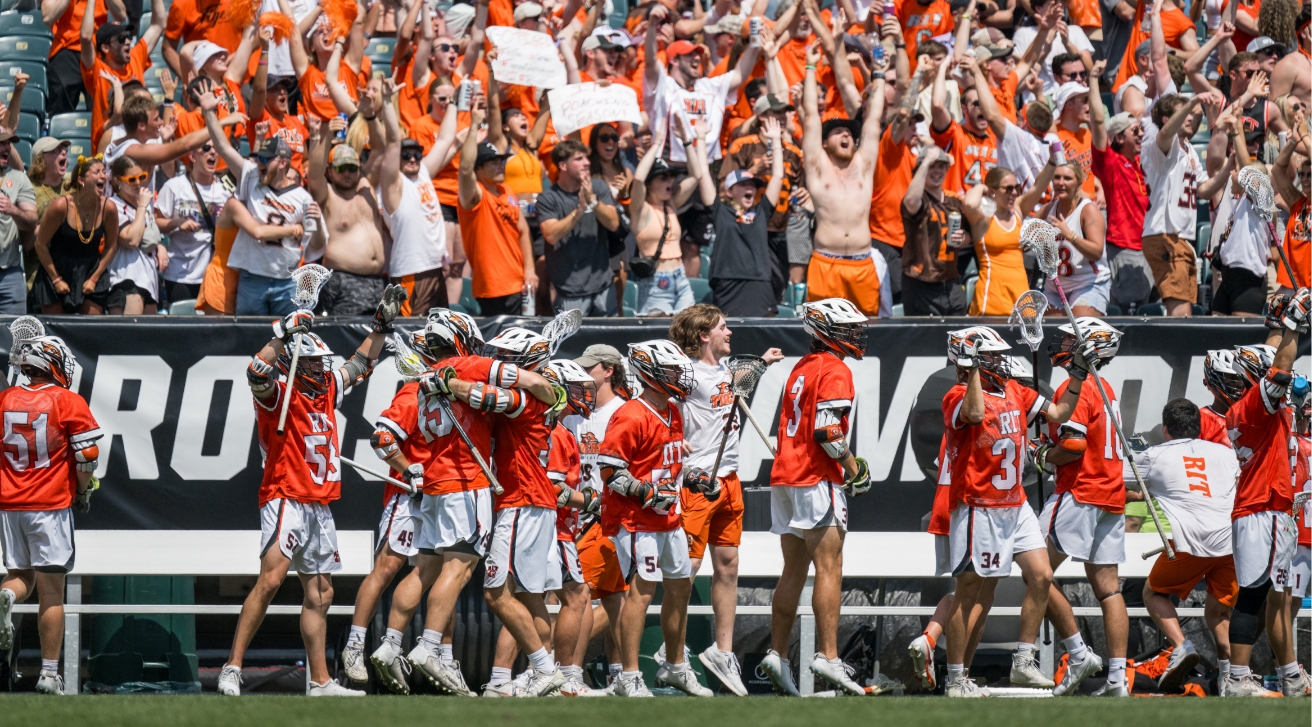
528 302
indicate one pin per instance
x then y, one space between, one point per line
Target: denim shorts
1095 296
667 292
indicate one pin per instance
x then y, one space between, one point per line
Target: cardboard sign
584 104
526 58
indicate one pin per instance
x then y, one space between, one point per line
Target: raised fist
292 324
388 309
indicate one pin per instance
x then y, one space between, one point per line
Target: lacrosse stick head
744 373
408 362
1257 186
1040 238
308 279
1027 314
561 327
24 328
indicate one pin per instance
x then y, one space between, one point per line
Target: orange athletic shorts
600 563
1179 576
855 279
719 523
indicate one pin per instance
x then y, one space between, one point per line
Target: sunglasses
446 47
346 169
608 138
441 99
412 155
1078 76
1009 189
206 148
138 179
1249 73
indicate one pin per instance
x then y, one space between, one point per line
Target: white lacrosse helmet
578 385
994 368
1019 368
837 324
454 329
519 346
662 365
1106 341
311 368
51 355
1252 362
1223 377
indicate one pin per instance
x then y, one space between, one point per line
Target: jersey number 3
20 456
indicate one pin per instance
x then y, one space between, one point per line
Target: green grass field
290 711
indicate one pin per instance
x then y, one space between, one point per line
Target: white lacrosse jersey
1173 181
418 231
1077 273
275 259
1194 482
591 432
706 100
704 414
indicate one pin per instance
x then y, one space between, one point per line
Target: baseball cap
683 48
599 353
7 135
528 10
740 176
593 42
110 31
769 102
204 51
1254 135
987 36
48 143
343 155
731 24
458 19
1143 49
408 143
1066 92
943 157
276 81
1119 123
618 36
488 153
274 147
853 127
1261 43
660 167
989 52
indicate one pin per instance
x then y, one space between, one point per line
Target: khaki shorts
1173 265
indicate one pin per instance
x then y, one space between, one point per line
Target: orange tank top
1001 270
219 288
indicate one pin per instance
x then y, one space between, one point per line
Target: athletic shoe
922 661
838 674
1299 686
1248 685
880 684
50 683
457 686
330 688
6 627
1077 672
631 686
1110 689
724 665
1183 660
353 660
391 667
574 687
522 679
230 681
505 689
543 683
780 672
1025 672
436 671
682 677
963 687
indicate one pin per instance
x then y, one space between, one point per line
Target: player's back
303 463
450 467
1095 478
1212 426
1262 434
41 425
521 449
1194 481
818 381
988 458
650 445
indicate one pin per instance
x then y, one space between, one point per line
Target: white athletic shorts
942 555
653 556
1301 572
1264 545
985 539
522 544
1086 533
305 533
399 526
794 510
40 540
458 521
564 565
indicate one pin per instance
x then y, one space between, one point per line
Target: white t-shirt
418 233
137 264
189 252
590 433
1023 153
1194 482
280 56
1249 243
276 259
704 414
1026 35
1173 181
707 100
119 142
1131 82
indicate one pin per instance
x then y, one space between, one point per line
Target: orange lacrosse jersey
41 425
972 156
1078 146
940 517
1298 245
405 408
521 448
649 444
303 463
563 467
1095 478
988 458
818 381
1213 426
923 22
1261 432
1303 483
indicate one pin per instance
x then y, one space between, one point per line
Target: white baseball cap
204 51
1066 92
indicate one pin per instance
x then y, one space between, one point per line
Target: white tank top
1075 270
418 232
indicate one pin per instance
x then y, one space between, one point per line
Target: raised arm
1157 49
1193 67
1097 112
870 127
296 46
260 84
988 105
914 198
1166 136
638 191
1030 199
405 32
424 50
341 99
475 47
87 35
651 72
444 147
847 89
1282 177
208 103
241 60
470 194
940 118
772 131
812 147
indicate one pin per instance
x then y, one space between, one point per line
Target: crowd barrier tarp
180 450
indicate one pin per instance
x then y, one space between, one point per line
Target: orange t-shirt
230 101
1079 150
1085 13
1005 95
204 20
219 288
923 22
292 131
972 156
491 236
1251 9
1175 24
99 88
501 12
893 171
412 100
1298 245
66 33
314 90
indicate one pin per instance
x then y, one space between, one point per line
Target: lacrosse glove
438 383
859 483
662 498
562 401
562 496
696 478
591 502
1084 359
414 474
1039 456
967 356
82 503
388 309
292 324
1296 313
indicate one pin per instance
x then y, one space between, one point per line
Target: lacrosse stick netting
562 327
1027 314
22 329
308 280
1257 186
1040 237
744 373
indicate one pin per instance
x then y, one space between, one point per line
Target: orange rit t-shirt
972 156
1298 246
1079 150
491 236
893 171
99 88
290 129
923 22
1175 24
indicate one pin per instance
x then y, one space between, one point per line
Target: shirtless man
1294 72
841 175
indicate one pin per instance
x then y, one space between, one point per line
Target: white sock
542 661
1024 649
1290 670
432 641
1239 671
50 665
955 670
500 675
631 674
1076 648
357 635
1223 665
615 670
448 653
393 637
1116 670
572 671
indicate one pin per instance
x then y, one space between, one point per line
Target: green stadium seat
34 99
1107 101
78 147
36 73
970 288
701 290
143 24
383 47
1204 237
898 311
467 297
706 266
25 23
244 146
25 48
76 123
786 311
82 104
29 127
630 295
183 307
1151 309
1114 310
24 149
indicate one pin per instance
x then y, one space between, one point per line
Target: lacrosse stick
1041 238
1027 314
561 327
23 329
403 485
409 364
744 373
1258 188
308 279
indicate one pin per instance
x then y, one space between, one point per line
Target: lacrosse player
1264 536
1084 518
456 513
47 470
641 462
986 416
702 333
1227 384
814 472
301 476
1193 480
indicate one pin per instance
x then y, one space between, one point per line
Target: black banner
181 452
